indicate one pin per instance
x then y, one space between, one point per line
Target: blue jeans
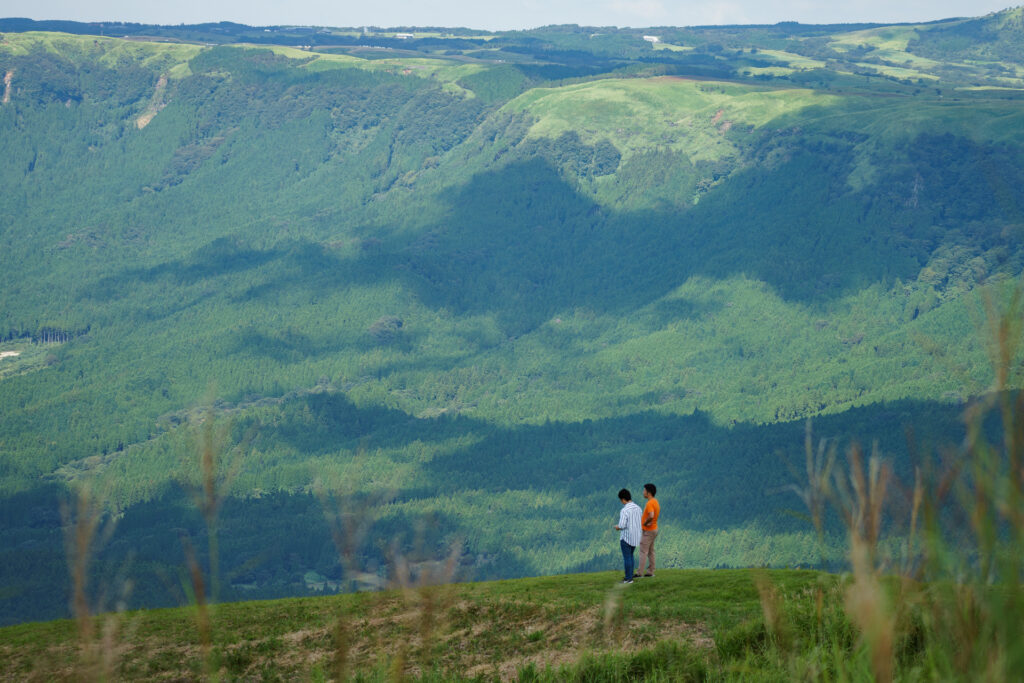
627 558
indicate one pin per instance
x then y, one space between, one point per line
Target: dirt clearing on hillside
156 103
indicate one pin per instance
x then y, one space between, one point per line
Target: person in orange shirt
649 525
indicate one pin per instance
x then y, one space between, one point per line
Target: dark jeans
627 558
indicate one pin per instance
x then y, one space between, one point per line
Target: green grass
108 51
726 625
444 71
674 113
898 71
672 48
885 120
889 38
173 58
482 629
982 88
793 60
767 71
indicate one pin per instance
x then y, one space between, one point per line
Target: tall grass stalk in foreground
197 593
819 465
426 587
348 528
954 607
350 518
861 498
216 466
422 580
82 536
974 549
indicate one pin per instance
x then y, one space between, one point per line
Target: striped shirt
629 523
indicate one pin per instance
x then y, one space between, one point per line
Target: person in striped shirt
629 531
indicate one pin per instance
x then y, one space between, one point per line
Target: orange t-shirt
652 510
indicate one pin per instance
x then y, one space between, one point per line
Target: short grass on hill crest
491 630
110 51
680 114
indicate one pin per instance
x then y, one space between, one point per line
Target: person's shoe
648 576
638 576
627 581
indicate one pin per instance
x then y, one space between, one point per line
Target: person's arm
648 514
622 520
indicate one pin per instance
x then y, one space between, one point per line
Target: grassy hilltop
682 625
473 283
486 630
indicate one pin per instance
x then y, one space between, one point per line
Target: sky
504 15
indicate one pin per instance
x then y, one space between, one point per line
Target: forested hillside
469 284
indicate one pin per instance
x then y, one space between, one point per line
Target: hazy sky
488 14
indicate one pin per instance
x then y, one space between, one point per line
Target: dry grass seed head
83 535
868 607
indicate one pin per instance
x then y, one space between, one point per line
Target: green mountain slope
483 279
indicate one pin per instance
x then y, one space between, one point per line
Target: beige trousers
646 552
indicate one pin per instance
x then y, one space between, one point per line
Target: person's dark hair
624 494
652 488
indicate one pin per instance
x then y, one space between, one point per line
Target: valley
473 284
